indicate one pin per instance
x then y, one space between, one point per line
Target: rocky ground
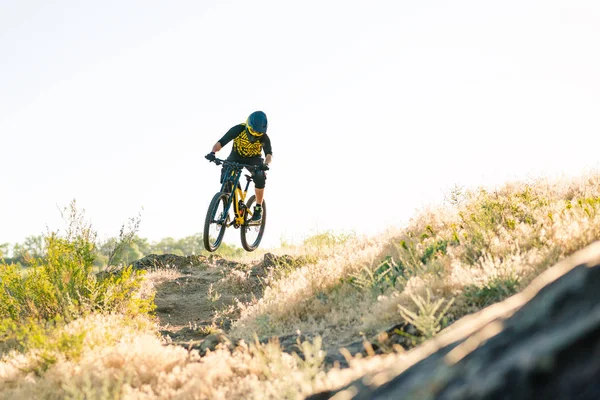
190 293
196 298
541 343
196 295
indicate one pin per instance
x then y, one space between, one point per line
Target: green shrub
490 215
328 239
63 284
428 319
386 275
497 289
59 287
411 262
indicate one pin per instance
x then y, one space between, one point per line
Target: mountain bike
231 197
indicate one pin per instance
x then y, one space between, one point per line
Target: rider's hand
210 156
263 167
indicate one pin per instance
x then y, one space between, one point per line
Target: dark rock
543 343
400 334
224 263
169 334
165 309
289 343
336 358
404 334
212 341
153 261
225 323
209 343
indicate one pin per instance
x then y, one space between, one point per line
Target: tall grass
479 248
91 337
58 288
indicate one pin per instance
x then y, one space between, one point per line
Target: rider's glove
210 156
263 167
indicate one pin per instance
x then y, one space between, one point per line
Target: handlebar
233 164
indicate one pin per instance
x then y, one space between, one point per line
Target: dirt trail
183 301
196 298
195 292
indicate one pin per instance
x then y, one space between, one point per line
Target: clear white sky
375 107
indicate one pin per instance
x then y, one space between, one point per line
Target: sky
376 108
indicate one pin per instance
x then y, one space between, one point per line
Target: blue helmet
257 123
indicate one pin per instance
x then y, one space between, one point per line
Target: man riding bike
249 140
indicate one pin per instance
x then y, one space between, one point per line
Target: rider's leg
259 185
259 189
259 195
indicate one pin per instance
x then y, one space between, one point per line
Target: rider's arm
228 137
217 147
266 142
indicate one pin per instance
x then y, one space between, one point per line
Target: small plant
497 289
212 294
434 250
427 320
313 356
457 196
285 265
385 276
410 258
206 330
125 240
265 324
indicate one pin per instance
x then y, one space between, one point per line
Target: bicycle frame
232 174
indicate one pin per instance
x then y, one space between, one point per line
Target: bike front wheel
215 222
252 233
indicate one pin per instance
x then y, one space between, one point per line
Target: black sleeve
231 134
266 142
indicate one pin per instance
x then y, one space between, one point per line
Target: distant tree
131 253
4 250
32 248
166 245
141 247
229 250
191 245
128 252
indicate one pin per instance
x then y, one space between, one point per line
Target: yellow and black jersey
246 145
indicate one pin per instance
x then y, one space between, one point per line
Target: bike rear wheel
251 234
215 222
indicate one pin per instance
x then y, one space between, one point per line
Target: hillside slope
542 343
312 318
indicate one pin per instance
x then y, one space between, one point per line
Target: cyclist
249 140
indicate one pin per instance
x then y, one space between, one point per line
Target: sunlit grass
481 247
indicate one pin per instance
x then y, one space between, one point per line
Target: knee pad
259 179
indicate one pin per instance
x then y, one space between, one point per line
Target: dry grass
485 239
479 249
125 359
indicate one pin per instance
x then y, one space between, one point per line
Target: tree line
116 250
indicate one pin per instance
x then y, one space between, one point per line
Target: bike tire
212 243
248 243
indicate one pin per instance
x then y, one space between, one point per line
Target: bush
428 319
61 286
497 289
